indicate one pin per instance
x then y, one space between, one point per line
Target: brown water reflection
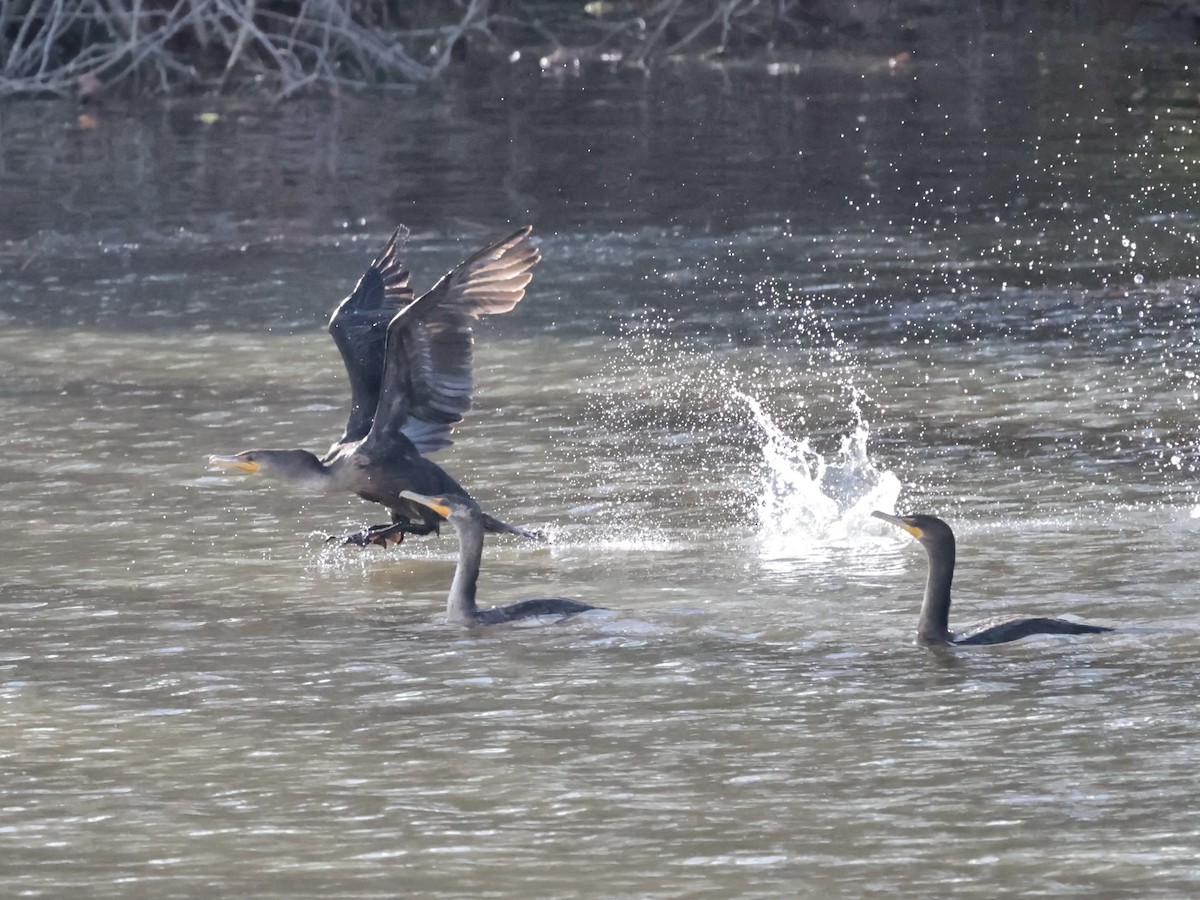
201 697
1001 126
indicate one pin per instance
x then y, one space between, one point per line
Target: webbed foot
375 536
380 535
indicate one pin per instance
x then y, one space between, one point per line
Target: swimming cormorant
409 364
933 627
468 521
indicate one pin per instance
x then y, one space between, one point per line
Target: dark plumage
933 626
409 365
464 514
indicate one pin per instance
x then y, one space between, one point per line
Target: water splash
810 503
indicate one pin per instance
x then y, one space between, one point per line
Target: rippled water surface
767 305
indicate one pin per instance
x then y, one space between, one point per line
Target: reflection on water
200 696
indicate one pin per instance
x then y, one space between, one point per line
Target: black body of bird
464 514
409 364
933 626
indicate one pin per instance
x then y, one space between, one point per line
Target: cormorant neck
460 604
934 625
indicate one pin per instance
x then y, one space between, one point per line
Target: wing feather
359 328
427 375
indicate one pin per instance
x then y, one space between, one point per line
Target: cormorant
468 521
409 364
933 626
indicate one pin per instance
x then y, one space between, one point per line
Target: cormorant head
292 465
929 530
458 510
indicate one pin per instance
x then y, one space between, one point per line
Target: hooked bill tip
434 503
897 521
232 462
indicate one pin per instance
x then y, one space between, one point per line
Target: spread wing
427 377
359 328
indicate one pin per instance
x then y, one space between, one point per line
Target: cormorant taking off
468 521
409 363
933 627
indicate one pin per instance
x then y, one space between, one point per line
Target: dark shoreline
89 49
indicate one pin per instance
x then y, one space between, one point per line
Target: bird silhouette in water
465 516
933 626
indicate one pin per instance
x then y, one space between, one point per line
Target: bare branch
284 50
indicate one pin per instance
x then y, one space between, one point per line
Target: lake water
962 283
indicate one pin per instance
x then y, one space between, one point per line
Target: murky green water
985 259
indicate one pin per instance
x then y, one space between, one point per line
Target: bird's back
1004 630
531 609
